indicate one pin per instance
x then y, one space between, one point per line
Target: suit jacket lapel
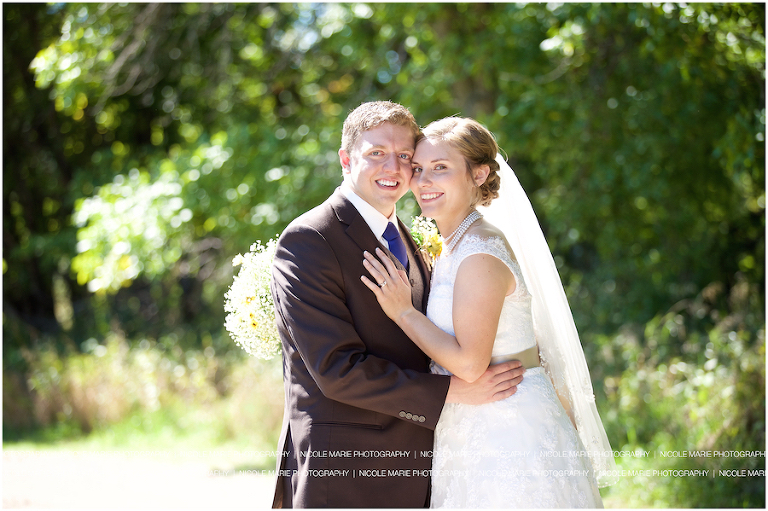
418 271
361 233
357 228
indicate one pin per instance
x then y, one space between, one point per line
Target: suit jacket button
422 418
402 413
408 415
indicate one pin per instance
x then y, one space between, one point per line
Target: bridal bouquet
424 232
248 302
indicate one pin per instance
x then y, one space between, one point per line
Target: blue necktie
396 245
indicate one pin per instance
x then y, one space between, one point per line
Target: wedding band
383 284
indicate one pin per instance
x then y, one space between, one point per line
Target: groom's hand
498 382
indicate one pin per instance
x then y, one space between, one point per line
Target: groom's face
378 168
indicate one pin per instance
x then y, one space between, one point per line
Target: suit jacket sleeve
314 317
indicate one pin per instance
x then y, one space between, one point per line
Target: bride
496 296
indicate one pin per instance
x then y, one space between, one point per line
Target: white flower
250 310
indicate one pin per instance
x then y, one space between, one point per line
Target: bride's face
441 183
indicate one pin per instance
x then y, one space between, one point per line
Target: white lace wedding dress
523 451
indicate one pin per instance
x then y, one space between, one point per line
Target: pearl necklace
453 239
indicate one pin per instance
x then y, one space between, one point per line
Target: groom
360 404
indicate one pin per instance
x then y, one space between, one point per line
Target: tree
628 125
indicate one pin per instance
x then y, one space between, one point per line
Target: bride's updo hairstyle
476 144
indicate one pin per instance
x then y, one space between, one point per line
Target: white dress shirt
375 220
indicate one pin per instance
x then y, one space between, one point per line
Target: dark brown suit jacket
360 406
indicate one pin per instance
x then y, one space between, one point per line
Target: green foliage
147 144
134 217
696 384
115 390
662 106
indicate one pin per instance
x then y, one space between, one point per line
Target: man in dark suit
360 403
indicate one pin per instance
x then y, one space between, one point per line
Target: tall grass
692 382
120 392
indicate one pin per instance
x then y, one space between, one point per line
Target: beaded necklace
453 239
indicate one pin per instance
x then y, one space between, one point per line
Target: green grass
175 434
129 398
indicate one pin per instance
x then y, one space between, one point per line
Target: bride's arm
482 282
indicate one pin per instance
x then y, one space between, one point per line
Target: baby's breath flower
427 237
250 310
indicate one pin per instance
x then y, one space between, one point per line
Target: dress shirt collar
375 220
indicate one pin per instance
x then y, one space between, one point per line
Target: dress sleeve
314 319
495 246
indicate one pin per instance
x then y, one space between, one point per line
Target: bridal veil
560 349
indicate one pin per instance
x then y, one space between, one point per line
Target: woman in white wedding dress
524 451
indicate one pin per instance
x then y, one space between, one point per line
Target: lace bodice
515 332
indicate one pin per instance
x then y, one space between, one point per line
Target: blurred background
145 145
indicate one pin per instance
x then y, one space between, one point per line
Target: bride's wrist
404 316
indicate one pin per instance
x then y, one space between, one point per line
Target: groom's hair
370 115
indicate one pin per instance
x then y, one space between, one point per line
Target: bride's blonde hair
476 144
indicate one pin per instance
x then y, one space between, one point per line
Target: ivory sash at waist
529 357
